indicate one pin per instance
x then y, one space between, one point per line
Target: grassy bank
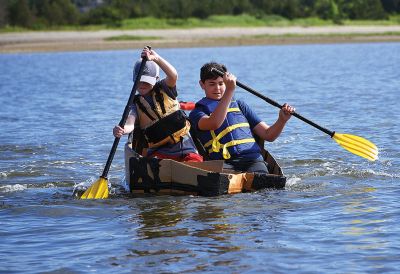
132 38
214 21
264 36
245 21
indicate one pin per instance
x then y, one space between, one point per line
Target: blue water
339 213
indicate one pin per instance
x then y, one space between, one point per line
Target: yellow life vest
164 123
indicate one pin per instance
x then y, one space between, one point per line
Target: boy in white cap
156 108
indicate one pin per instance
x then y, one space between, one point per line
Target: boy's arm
270 133
169 70
218 116
128 128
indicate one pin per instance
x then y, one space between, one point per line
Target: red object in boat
187 105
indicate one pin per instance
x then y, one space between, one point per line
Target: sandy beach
44 41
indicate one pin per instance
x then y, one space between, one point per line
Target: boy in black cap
157 111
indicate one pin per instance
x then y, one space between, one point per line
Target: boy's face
214 88
144 88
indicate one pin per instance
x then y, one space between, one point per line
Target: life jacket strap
159 99
224 147
216 146
169 129
143 108
233 109
223 133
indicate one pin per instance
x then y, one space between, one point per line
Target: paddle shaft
276 104
123 119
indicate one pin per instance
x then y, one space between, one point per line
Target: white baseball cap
151 72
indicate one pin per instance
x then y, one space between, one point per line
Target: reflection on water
366 221
212 229
161 220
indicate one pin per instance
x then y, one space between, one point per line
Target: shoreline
56 41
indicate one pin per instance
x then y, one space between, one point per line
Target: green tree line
36 14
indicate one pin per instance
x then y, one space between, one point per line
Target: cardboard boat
208 178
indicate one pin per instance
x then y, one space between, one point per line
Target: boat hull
208 178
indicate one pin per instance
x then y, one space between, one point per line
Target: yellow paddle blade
99 190
357 145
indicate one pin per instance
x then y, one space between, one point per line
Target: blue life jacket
232 139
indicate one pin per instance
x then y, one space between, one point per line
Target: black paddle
99 189
355 144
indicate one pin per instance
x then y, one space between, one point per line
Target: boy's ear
201 84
